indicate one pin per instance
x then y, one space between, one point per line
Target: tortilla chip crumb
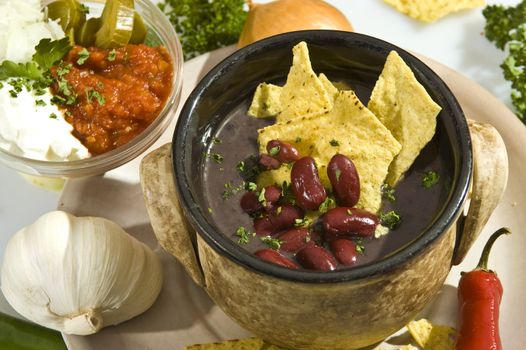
432 337
431 10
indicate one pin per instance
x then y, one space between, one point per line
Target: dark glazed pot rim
224 246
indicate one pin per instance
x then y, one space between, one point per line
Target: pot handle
490 176
169 225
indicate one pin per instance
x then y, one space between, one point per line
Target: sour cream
36 131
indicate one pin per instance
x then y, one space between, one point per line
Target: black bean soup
284 236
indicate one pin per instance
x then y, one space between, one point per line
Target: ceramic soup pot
300 309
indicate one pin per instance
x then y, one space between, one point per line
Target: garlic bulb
283 16
77 275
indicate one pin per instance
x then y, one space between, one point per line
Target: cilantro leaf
30 70
430 178
50 52
390 219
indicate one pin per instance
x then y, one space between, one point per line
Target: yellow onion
283 16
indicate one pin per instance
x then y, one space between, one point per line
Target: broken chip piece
432 337
431 10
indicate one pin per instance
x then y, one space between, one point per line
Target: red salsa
111 96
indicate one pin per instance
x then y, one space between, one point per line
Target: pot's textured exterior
346 315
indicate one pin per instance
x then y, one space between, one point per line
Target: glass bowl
160 31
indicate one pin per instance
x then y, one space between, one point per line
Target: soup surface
235 140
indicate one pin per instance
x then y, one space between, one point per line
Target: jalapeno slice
70 13
85 35
117 24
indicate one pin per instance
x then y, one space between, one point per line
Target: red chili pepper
479 296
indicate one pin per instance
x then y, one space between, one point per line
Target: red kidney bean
263 226
272 195
294 239
250 203
274 257
278 219
345 251
344 180
350 221
286 153
306 184
314 257
268 162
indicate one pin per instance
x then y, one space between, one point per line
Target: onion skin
281 16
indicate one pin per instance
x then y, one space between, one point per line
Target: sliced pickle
117 24
139 30
85 35
69 13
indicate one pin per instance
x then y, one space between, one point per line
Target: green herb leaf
83 56
327 204
388 193
240 166
261 197
90 94
273 243
251 186
243 234
305 222
360 247
216 141
430 179
50 52
40 103
112 55
390 219
274 151
53 116
334 143
216 157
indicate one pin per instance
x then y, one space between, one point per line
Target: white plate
184 315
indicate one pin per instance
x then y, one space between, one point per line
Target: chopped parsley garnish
112 55
240 166
327 204
388 193
273 243
40 103
1 85
63 69
274 151
261 197
65 89
360 248
243 235
230 190
305 222
251 186
430 178
13 93
216 141
53 116
334 143
91 94
391 219
286 192
216 157
83 56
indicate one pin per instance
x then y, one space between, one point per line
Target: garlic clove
281 16
77 275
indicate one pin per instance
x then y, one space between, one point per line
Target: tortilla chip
236 344
431 10
432 337
266 102
329 87
303 94
341 130
403 105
